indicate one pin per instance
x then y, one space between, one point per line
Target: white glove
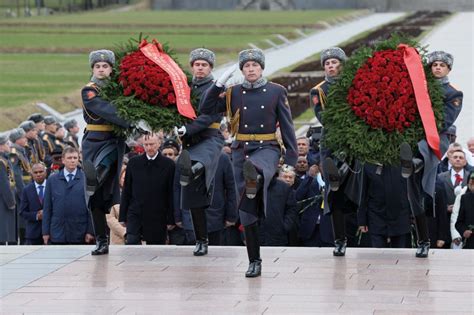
144 125
181 131
226 76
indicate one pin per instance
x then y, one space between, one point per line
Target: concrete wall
377 5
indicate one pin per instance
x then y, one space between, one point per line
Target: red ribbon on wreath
154 52
417 75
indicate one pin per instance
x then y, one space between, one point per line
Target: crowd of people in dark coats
46 196
49 208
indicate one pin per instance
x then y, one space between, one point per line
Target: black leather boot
252 179
198 216
102 246
340 247
417 165
331 172
188 171
422 233
253 251
201 248
406 160
423 249
91 177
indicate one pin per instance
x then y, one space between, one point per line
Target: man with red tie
31 209
453 178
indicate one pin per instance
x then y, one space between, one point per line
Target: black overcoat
147 197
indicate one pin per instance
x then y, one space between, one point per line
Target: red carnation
143 78
382 94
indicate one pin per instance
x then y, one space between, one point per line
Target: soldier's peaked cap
27 125
4 138
36 117
49 120
16 134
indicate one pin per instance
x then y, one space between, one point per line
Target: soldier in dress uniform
32 147
72 130
254 109
102 150
8 230
38 119
423 183
337 173
202 144
49 139
60 136
19 158
21 169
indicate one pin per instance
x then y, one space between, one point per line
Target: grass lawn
248 18
45 59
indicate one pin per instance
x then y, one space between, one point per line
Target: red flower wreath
382 93
143 78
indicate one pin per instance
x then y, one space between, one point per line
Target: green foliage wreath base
349 136
132 109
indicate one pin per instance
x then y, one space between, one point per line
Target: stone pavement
456 36
170 280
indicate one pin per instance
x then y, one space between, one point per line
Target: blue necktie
41 193
69 176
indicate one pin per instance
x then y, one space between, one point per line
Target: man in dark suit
384 209
66 218
315 228
31 209
275 227
146 207
457 176
465 219
222 212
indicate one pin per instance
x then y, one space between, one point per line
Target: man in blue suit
31 209
66 218
315 228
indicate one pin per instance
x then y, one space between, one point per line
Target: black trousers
381 241
34 241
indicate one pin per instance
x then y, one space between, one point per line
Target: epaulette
278 84
317 86
91 84
13 151
451 85
45 137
